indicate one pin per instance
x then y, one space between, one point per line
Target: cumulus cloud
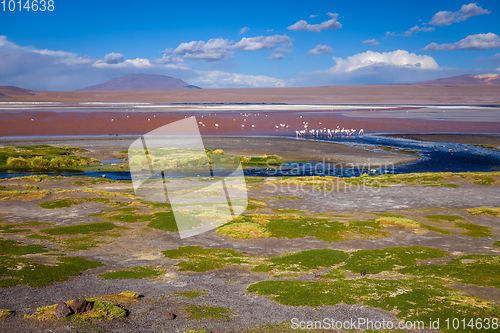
244 29
331 24
444 17
371 41
114 58
217 79
472 42
313 16
277 56
398 58
388 33
216 49
140 63
320 49
417 29
261 43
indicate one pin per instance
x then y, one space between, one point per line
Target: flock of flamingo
306 132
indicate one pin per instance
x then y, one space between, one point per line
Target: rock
170 316
363 272
78 306
89 306
62 310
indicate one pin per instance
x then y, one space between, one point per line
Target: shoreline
290 149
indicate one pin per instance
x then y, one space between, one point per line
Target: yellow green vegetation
42 157
18 227
199 312
415 291
94 233
243 230
103 308
493 211
21 270
295 226
192 294
4 313
200 259
434 179
68 202
403 260
285 197
133 273
27 195
411 299
303 261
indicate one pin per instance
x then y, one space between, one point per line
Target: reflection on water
434 157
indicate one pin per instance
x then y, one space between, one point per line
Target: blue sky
248 44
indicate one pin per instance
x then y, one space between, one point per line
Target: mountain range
140 82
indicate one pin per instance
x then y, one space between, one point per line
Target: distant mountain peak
464 80
141 82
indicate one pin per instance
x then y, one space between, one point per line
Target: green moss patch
14 228
192 294
303 261
199 259
84 228
133 273
481 270
199 312
15 271
414 299
4 313
387 259
244 230
493 211
474 230
443 218
285 197
42 157
68 202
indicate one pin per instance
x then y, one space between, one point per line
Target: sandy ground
367 94
289 149
227 287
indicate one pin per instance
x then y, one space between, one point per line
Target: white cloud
114 58
472 42
216 49
320 49
261 43
498 69
331 24
417 29
398 58
244 29
276 56
217 79
371 41
444 17
140 63
313 16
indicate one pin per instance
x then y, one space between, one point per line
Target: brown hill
464 80
14 91
140 82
